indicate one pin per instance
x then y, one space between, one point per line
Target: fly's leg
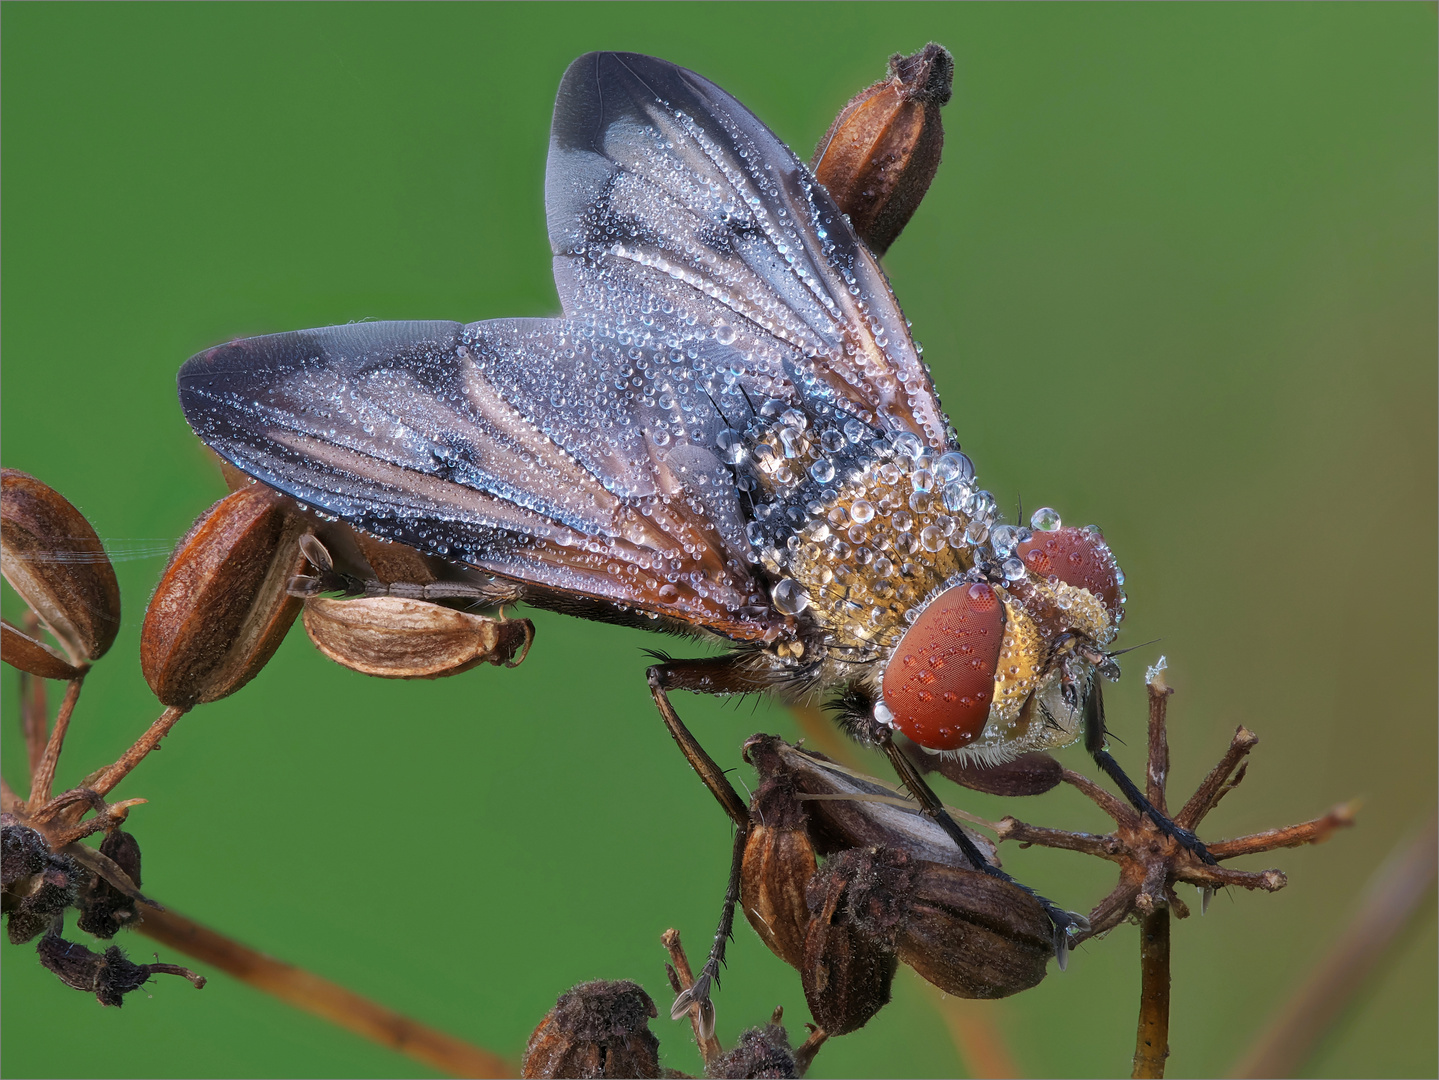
717 675
1094 732
1066 923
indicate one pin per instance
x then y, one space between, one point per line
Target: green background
1176 276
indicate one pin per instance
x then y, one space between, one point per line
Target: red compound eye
1076 557
940 681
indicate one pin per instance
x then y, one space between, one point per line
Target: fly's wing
675 215
538 449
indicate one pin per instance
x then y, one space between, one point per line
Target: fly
728 434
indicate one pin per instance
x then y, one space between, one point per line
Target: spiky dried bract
221 609
108 975
51 556
881 152
596 1029
38 884
399 638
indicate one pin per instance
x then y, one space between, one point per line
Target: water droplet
724 333
1003 538
854 431
957 496
882 714
862 511
822 470
831 441
731 444
794 418
953 466
922 480
976 531
908 444
790 597
1045 519
932 538
1013 569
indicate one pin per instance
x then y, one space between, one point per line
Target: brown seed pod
881 152
778 864
398 638
973 935
20 650
969 933
394 562
597 1029
221 609
51 556
847 970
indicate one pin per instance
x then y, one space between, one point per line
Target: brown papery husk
847 972
221 608
778 864
399 638
52 558
20 650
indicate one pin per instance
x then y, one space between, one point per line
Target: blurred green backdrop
1176 276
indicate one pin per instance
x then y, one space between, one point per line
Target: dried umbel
597 1029
398 638
759 1052
881 152
221 609
38 884
52 558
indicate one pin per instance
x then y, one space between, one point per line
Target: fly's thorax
855 528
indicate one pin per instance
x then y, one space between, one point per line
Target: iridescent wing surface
702 272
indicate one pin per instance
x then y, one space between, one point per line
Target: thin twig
1207 794
323 998
1394 899
107 780
9 801
1101 798
1107 846
976 1039
1307 832
1157 773
1151 1046
34 706
43 777
710 1049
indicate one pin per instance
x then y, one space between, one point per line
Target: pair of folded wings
702 271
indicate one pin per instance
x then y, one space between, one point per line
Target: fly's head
998 662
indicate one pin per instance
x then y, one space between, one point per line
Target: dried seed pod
108 975
51 556
759 1052
221 609
104 909
20 650
778 864
394 562
847 970
1028 774
969 933
974 935
597 1029
398 638
882 150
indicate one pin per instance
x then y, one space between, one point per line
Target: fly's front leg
717 675
1094 733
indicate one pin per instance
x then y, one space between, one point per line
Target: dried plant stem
1151 1045
683 977
43 777
323 998
1395 896
34 708
975 1036
107 780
